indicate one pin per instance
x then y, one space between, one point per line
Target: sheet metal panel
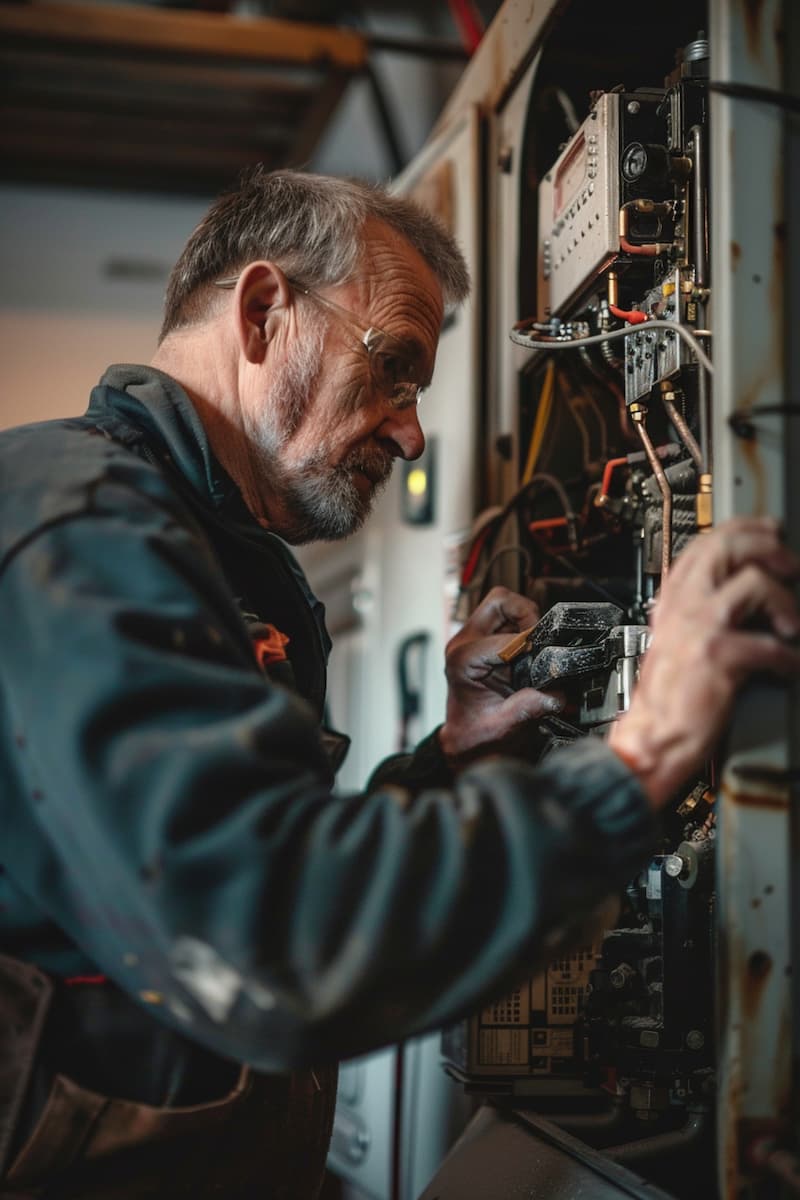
748 243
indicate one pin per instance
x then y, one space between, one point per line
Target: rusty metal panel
504 55
751 474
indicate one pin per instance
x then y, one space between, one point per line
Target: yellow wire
540 424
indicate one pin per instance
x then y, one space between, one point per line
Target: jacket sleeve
171 811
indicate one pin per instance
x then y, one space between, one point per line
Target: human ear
261 293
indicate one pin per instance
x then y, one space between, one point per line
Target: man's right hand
723 613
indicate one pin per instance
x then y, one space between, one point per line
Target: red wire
610 468
547 523
475 553
634 316
468 22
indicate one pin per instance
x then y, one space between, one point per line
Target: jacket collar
140 405
157 405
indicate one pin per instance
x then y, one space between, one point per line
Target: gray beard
321 502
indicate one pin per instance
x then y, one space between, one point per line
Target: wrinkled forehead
399 282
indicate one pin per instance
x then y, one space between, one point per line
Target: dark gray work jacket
167 823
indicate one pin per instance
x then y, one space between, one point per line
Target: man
194 929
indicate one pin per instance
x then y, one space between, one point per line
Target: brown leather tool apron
266 1140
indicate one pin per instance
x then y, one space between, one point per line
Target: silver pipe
608 1119
661 1143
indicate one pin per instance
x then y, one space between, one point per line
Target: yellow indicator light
417 482
668 289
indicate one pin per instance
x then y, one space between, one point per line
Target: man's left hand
482 710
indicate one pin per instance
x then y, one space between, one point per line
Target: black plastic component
570 641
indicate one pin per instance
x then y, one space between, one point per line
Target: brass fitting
613 288
705 515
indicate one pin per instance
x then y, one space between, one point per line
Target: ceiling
173 99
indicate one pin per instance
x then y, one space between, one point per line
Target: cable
540 424
478 542
634 316
596 339
468 22
485 537
557 486
605 487
589 398
579 397
386 120
573 404
517 549
571 569
568 108
747 91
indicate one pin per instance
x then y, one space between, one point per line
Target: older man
194 929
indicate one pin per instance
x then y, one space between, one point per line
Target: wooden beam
175 30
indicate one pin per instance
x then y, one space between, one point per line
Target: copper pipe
638 413
650 249
678 420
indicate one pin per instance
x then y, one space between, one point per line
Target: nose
401 427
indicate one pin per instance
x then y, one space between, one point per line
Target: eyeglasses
395 367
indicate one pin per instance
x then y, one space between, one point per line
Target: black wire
742 425
386 120
763 95
573 570
512 506
519 550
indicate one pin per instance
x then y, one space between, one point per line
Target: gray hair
312 227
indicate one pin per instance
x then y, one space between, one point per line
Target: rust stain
753 11
779 239
759 966
750 453
736 255
767 800
772 788
777 280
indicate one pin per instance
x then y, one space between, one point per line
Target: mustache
372 461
